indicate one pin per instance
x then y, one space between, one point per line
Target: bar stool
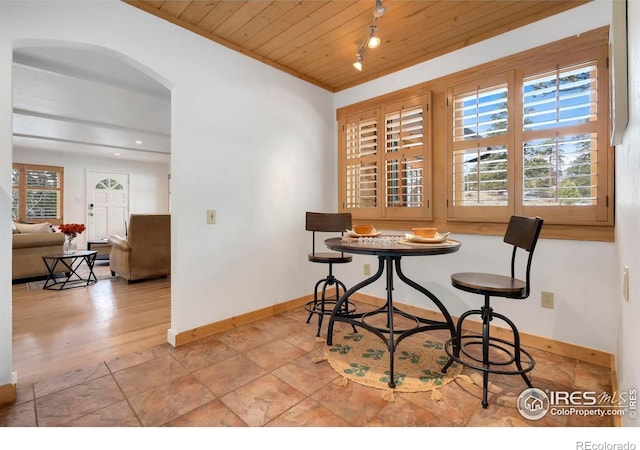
330 223
522 232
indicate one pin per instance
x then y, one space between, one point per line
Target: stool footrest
491 366
315 307
323 305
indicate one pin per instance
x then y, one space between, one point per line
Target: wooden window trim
22 192
480 213
570 50
347 162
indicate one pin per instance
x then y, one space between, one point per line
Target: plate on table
439 238
352 233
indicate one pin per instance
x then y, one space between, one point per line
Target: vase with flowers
71 231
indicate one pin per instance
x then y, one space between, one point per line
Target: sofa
29 243
145 252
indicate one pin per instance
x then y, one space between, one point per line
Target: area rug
364 358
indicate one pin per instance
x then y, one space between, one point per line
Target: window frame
479 213
22 190
348 178
518 136
568 51
601 213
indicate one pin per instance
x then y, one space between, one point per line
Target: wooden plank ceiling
318 41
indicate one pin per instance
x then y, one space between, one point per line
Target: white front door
108 204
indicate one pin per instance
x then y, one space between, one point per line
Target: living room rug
364 358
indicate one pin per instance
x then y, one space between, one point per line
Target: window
36 194
361 164
109 183
561 137
531 144
385 163
527 134
481 142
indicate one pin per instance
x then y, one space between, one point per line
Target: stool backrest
326 222
523 232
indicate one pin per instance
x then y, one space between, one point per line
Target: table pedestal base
390 335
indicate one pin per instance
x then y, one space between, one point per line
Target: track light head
374 41
379 9
358 64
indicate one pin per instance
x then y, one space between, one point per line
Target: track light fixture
372 41
379 10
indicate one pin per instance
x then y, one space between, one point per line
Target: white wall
583 275
148 182
247 140
628 219
6 110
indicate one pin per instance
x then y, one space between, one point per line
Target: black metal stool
522 232
323 305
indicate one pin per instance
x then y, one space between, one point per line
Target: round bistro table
390 250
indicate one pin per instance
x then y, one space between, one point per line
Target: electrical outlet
546 300
211 216
367 269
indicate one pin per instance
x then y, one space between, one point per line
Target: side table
102 246
70 265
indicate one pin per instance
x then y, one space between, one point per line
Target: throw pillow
34 227
14 230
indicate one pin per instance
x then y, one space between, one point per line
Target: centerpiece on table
71 231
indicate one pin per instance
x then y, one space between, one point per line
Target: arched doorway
89 109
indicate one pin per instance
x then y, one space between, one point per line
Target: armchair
146 251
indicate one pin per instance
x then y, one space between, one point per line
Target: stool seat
330 258
488 283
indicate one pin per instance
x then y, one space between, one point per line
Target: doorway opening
106 120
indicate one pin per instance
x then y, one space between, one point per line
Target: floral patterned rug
364 358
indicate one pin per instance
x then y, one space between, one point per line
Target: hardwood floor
56 331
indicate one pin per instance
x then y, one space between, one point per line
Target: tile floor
237 379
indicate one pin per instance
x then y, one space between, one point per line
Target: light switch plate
211 216
625 283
